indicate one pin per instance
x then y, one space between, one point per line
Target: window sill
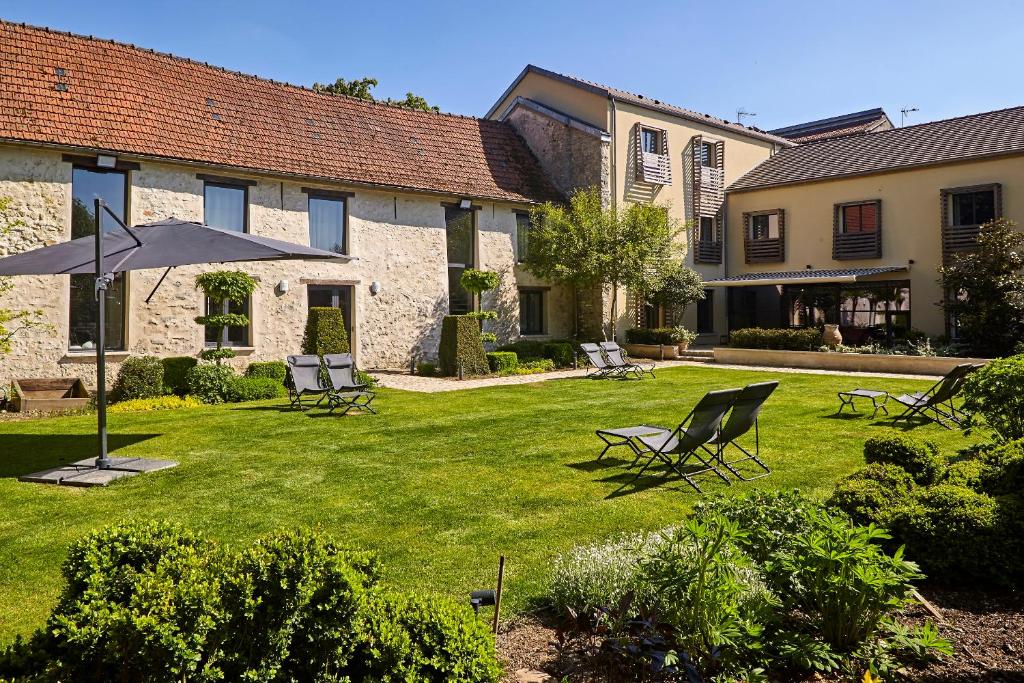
239 350
89 356
535 337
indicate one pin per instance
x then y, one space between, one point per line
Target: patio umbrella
163 244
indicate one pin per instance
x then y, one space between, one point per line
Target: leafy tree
586 243
986 289
361 88
682 286
12 321
221 286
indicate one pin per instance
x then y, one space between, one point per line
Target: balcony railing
707 252
655 168
958 238
711 191
764 250
857 245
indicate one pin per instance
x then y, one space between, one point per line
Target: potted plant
682 337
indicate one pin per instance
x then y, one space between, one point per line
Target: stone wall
398 240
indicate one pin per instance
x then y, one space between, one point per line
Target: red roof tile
121 98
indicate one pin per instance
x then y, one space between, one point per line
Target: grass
439 484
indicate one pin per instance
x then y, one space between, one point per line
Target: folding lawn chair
345 390
304 380
597 366
617 359
743 417
677 447
936 404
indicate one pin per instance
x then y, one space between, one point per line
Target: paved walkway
407 382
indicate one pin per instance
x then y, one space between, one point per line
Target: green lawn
439 484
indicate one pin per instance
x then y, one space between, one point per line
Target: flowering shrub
170 402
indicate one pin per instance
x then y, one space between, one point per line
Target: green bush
426 369
776 338
993 394
271 369
502 361
171 402
424 639
175 371
534 367
243 389
526 349
1004 468
138 377
325 332
646 335
461 346
866 493
563 354
920 458
210 382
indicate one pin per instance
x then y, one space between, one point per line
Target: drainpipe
614 197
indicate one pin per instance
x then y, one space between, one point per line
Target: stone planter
652 351
831 336
841 362
683 347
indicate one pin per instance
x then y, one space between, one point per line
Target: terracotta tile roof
967 137
641 101
836 126
69 90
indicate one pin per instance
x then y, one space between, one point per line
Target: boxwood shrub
776 338
561 352
426 369
650 335
242 389
271 369
461 346
325 332
175 373
919 458
526 349
866 494
209 382
502 361
138 377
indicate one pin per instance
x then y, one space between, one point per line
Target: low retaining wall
849 362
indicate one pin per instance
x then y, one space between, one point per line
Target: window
327 224
226 206
650 140
764 226
707 229
112 187
972 207
333 296
531 312
459 228
707 154
706 312
229 336
522 236
859 218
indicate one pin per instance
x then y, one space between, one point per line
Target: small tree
985 289
476 282
586 243
12 321
221 287
681 287
361 88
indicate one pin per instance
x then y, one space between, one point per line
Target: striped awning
802 277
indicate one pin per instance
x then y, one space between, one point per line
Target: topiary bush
175 371
919 458
461 346
325 332
271 369
502 361
776 338
138 377
562 353
526 349
993 396
210 382
243 389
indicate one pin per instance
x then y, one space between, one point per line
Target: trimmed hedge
502 361
271 369
526 349
920 458
243 389
461 345
325 332
561 351
176 373
426 369
563 354
776 338
650 335
138 377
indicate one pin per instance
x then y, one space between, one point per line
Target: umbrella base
85 472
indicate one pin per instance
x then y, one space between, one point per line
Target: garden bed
843 362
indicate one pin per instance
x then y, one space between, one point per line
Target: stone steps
698 355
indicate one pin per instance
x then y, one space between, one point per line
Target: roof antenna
741 112
906 111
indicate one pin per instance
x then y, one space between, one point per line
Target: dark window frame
330 197
542 294
655 136
337 290
226 332
973 192
844 208
713 229
755 227
521 239
473 245
708 153
229 184
708 315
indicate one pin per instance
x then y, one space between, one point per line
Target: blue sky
787 61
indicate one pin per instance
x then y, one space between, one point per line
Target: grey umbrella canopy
163 244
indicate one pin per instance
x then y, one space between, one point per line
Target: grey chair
597 366
345 391
937 403
742 418
304 381
676 448
617 359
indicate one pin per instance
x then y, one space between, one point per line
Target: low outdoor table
625 436
846 399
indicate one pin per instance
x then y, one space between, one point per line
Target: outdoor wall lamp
106 161
375 288
283 286
465 203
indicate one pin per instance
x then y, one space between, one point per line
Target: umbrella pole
103 461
